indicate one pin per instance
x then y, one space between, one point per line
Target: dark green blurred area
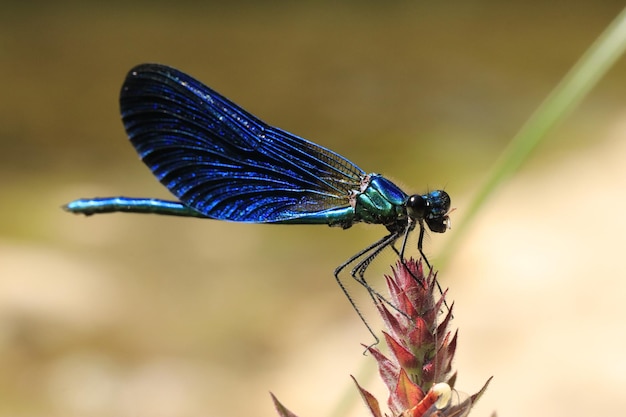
427 93
395 88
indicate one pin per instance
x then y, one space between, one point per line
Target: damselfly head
432 208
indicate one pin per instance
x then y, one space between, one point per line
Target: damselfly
223 163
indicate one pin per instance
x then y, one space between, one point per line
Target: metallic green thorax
380 201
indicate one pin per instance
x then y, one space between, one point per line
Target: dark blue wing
224 162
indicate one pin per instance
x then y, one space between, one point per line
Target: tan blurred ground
544 306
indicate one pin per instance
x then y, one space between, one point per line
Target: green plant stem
572 89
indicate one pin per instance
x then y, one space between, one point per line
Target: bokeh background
124 315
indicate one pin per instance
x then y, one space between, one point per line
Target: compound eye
416 206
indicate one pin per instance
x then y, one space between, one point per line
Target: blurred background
122 315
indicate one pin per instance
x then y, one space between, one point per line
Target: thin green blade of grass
583 76
572 89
